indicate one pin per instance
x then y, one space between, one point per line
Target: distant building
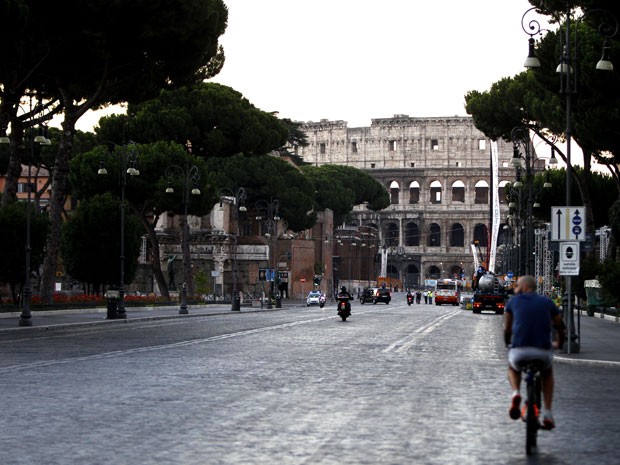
437 172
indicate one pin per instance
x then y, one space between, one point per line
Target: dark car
376 294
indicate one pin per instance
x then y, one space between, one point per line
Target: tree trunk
155 256
56 206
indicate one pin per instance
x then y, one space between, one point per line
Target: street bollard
112 297
278 301
183 308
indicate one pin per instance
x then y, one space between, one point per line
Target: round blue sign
576 230
510 274
577 219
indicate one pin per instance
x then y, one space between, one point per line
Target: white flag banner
495 206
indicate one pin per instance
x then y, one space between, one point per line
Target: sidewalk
600 342
45 319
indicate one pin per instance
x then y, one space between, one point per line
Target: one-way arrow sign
567 224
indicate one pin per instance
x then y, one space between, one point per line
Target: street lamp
567 69
237 197
190 176
128 167
268 211
522 152
25 318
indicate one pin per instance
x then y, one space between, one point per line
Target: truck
489 295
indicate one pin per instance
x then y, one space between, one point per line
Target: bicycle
532 376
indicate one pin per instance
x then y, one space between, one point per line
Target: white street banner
495 206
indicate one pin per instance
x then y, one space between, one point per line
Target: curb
585 362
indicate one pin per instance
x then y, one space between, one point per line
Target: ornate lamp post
567 70
190 176
128 167
25 318
268 211
237 197
522 152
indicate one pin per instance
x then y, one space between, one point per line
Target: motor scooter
344 307
409 299
322 301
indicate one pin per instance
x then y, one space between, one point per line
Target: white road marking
402 345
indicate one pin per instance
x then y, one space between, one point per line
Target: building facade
437 172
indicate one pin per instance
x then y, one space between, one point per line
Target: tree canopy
212 120
340 188
91 242
13 243
266 178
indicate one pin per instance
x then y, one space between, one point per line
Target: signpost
568 227
569 258
568 223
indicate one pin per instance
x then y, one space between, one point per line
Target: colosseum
437 172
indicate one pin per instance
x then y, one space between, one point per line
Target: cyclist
529 318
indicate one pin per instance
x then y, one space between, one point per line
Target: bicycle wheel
531 421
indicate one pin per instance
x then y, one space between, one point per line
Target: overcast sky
360 59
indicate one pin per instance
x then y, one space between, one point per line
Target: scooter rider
344 294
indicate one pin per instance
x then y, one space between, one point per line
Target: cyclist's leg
514 377
547 387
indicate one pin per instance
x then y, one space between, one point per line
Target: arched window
481 235
456 272
458 191
435 192
502 191
412 235
434 238
457 235
482 192
414 192
394 191
434 272
412 278
391 234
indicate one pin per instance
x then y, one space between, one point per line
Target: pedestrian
426 297
418 296
430 297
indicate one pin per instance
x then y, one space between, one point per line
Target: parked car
313 298
376 294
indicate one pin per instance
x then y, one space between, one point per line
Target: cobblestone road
393 385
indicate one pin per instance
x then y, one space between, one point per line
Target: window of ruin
354 147
392 145
412 164
372 165
434 144
503 192
481 235
458 191
435 192
412 235
482 192
457 235
434 238
322 148
391 234
482 144
414 192
394 192
458 164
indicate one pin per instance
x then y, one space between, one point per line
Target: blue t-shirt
532 315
